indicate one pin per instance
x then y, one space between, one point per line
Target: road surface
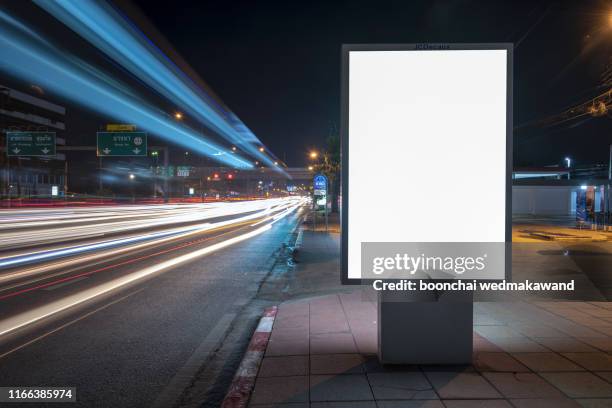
121 301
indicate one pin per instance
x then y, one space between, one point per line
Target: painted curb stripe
244 380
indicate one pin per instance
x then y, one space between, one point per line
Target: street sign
320 184
120 127
122 144
182 171
40 144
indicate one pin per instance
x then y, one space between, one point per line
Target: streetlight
178 115
569 162
276 163
132 176
233 148
313 155
261 149
310 168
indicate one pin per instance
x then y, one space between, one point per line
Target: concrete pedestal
425 327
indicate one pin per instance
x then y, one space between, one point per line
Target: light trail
36 314
28 56
114 35
152 219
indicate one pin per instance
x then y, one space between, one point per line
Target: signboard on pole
120 127
320 185
183 171
121 144
41 144
425 129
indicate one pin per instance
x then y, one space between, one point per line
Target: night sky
277 64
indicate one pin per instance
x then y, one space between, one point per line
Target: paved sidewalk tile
487 361
522 385
453 385
482 344
545 403
595 403
410 404
534 331
518 345
477 404
337 364
592 361
401 385
350 387
344 404
564 344
579 385
332 343
546 362
606 375
321 354
283 366
492 332
276 390
604 344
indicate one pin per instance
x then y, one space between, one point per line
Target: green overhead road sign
122 144
30 144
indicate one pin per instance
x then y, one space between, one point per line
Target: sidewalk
527 352
321 353
547 232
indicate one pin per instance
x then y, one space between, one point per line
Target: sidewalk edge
243 383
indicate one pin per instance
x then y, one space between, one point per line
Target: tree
330 166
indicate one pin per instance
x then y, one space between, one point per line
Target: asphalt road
127 313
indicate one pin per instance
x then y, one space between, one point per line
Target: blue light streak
111 33
27 55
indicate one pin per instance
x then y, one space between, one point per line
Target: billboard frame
344 135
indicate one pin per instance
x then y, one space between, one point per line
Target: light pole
569 164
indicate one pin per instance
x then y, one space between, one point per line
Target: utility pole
607 212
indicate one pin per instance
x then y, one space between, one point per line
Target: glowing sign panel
429 127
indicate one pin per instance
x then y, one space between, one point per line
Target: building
28 111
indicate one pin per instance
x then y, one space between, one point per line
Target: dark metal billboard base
425 327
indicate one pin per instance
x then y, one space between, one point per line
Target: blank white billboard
425 144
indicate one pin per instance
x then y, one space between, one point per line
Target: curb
244 380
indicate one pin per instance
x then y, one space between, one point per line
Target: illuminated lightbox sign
426 161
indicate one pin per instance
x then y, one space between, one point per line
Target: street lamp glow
276 163
310 168
261 149
313 155
233 148
569 162
132 176
178 115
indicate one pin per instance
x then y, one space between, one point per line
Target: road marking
39 313
183 378
59 285
68 324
